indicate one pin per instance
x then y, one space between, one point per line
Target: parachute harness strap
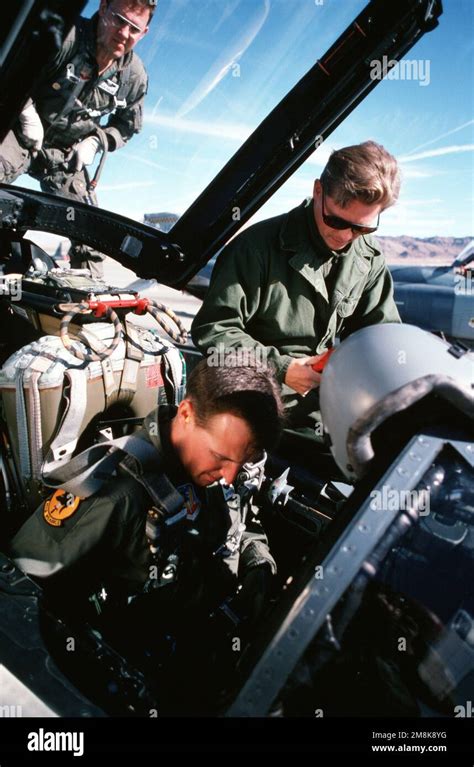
106 308
154 308
91 356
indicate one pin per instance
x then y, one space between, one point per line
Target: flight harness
53 387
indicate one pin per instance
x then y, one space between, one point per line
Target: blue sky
217 67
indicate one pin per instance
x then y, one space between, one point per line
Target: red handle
319 366
100 307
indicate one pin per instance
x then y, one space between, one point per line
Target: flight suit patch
59 507
192 504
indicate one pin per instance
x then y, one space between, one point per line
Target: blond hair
364 172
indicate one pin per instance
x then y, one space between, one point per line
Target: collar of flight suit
156 429
299 235
155 425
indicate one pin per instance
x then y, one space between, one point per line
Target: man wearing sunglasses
290 285
90 99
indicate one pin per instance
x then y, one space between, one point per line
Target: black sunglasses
334 222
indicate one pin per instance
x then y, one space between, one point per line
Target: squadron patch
192 505
59 507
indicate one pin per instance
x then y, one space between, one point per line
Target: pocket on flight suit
344 309
70 185
15 159
347 306
51 168
76 186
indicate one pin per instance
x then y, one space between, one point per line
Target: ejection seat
78 381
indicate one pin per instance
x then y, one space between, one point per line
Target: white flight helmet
379 371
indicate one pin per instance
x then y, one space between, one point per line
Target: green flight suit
70 110
72 99
103 538
278 289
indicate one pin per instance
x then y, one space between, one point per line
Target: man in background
89 100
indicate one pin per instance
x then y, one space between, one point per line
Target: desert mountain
426 250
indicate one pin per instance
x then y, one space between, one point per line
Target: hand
301 377
31 129
85 152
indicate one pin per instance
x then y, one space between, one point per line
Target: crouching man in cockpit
171 536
